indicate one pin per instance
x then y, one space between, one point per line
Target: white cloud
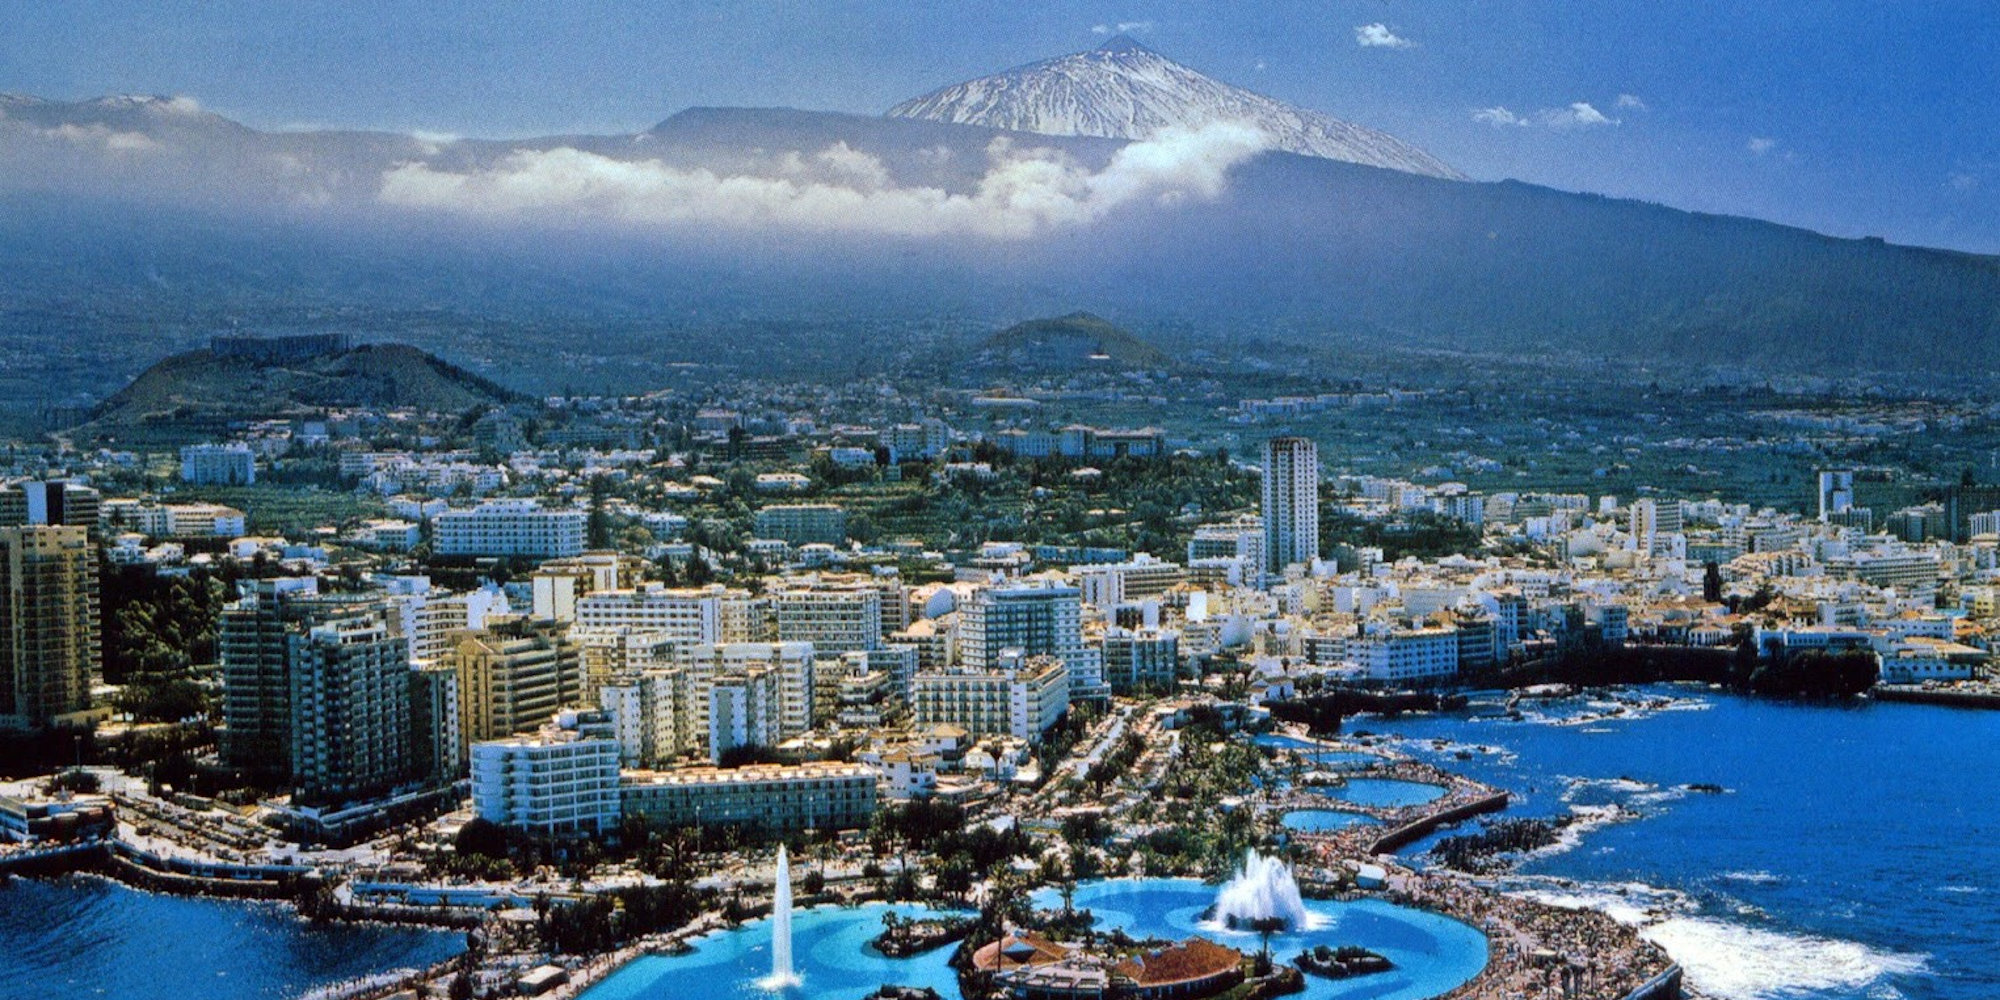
1025 192
1759 145
1578 115
1631 101
1121 28
1378 36
1963 181
96 134
181 105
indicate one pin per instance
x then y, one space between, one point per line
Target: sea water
88 937
1853 852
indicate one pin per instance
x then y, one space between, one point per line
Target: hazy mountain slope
1065 344
112 258
1123 90
201 389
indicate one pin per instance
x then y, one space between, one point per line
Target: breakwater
1949 698
1424 826
1665 986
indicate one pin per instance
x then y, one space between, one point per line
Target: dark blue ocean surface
88 937
1853 852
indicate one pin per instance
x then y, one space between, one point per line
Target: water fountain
782 977
1262 893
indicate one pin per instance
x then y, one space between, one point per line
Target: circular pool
1386 793
1432 953
1324 820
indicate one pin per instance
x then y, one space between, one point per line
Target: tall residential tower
1291 503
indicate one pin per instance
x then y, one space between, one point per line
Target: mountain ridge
1124 90
203 388
1068 343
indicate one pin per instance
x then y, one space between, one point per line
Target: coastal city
585 682
849 500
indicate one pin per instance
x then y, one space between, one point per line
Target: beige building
49 652
513 676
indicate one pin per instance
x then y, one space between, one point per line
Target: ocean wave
1634 792
1753 878
1736 962
1962 889
1634 904
1626 786
1583 820
1621 709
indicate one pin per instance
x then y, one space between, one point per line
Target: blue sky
1854 118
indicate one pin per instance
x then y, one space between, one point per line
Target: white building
1290 503
218 465
1019 698
776 799
645 711
511 528
743 710
1108 585
561 781
791 664
1041 619
834 618
1404 655
681 614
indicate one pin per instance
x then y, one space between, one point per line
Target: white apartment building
1021 698
1041 619
1405 655
1107 585
511 528
560 781
613 653
185 520
646 713
680 614
834 618
1290 508
1240 541
790 662
1142 658
218 465
743 710
1912 570
776 799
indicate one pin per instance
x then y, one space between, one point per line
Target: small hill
204 389
1076 342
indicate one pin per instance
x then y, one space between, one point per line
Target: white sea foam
1634 904
1585 819
1754 878
1735 962
1628 786
1637 793
1961 889
1725 959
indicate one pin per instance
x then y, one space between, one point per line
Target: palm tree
1265 927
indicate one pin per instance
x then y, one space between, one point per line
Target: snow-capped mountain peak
1124 90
